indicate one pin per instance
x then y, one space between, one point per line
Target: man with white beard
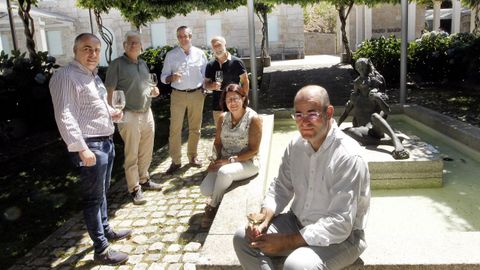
232 71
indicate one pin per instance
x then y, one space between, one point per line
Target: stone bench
217 251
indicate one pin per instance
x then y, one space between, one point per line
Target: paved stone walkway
167 232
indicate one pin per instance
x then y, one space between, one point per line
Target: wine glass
153 82
252 211
118 102
219 76
182 70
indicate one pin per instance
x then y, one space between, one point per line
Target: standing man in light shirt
131 74
233 71
84 120
323 172
184 69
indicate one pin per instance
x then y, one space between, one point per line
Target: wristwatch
232 159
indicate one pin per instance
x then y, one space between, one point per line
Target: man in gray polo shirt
131 74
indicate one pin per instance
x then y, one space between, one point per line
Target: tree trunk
29 27
476 30
262 16
343 16
106 35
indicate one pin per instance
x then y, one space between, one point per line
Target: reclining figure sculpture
370 109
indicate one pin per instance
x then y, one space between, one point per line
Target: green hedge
435 57
25 102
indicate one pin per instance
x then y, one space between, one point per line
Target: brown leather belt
187 90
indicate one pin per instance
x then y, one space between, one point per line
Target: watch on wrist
231 159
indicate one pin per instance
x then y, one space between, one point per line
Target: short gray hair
132 34
81 36
219 39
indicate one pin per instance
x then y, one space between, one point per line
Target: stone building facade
57 23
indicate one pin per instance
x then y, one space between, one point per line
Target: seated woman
237 140
370 109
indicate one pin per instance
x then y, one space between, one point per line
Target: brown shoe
208 216
173 168
195 162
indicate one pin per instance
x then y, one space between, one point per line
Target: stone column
436 15
339 49
41 37
456 13
412 11
368 23
473 13
359 24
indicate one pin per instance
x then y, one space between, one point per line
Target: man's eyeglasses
309 116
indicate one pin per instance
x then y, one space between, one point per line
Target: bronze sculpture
370 109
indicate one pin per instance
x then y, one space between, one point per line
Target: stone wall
234 25
320 43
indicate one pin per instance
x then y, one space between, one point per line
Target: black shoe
150 185
137 197
173 168
115 236
110 257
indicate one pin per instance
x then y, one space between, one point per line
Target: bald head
314 93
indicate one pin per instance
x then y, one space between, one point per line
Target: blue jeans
94 184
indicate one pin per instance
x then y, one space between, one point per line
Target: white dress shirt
80 104
330 187
191 65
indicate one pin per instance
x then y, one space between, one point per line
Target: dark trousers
94 184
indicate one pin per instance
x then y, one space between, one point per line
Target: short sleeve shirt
132 78
232 70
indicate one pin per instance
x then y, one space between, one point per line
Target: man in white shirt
323 172
184 69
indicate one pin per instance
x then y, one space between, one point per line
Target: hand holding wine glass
182 70
219 79
118 102
254 216
153 82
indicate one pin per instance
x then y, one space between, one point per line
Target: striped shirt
80 104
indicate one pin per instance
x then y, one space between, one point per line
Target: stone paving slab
167 233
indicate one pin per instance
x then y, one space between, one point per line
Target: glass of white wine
182 70
219 76
153 82
118 102
254 216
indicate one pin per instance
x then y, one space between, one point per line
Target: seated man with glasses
329 182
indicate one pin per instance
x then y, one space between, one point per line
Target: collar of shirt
229 57
125 56
83 68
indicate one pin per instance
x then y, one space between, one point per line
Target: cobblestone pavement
167 233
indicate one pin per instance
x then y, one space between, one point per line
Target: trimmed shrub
428 57
24 94
435 57
384 54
